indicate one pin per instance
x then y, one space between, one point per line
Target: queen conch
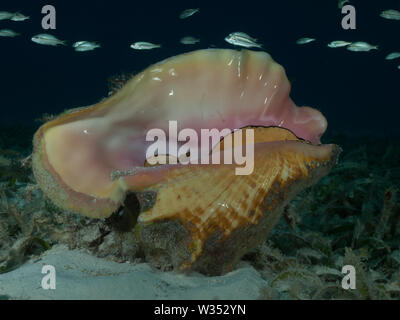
201 217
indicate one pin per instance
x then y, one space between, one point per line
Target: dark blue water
357 92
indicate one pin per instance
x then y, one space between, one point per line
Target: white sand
82 276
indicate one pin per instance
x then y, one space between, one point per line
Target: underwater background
356 91
351 214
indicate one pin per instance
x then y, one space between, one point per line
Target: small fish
242 39
188 13
398 67
141 45
19 17
4 15
305 40
81 46
243 35
78 43
47 39
189 40
341 3
8 33
338 44
390 14
361 46
393 55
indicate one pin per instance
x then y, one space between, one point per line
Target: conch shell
198 216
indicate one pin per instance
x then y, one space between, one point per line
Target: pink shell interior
201 90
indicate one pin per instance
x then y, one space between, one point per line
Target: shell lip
59 192
261 126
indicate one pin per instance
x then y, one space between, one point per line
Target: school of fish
237 38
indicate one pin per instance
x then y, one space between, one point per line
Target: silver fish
390 14
8 33
361 46
398 67
242 39
341 3
4 15
243 35
189 40
19 17
141 45
338 44
393 55
305 40
81 46
78 43
188 13
47 39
